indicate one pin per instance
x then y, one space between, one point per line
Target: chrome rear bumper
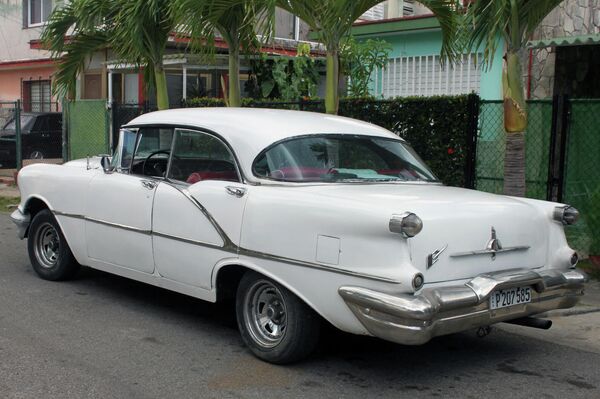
414 319
22 221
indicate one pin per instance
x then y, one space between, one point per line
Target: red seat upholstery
228 175
302 172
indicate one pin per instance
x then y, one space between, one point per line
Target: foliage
436 127
286 78
358 60
237 22
513 21
333 19
592 219
136 30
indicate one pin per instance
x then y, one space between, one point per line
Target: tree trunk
332 81
162 93
515 123
235 99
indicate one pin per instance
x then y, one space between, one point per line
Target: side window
151 155
41 124
199 156
55 123
123 155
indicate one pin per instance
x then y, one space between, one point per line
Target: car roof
251 130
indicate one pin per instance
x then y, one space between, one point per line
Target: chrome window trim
272 181
241 174
176 129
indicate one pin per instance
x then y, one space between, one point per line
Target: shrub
436 127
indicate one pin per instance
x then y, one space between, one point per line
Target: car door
198 213
55 136
119 205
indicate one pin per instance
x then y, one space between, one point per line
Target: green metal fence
491 147
88 128
581 186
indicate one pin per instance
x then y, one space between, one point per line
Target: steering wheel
157 168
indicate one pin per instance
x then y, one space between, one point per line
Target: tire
49 252
290 329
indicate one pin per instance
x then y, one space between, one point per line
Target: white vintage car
299 217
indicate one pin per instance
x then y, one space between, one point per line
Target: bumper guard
22 221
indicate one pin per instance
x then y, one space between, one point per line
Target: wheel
36 154
274 323
49 252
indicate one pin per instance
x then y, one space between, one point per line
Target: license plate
510 297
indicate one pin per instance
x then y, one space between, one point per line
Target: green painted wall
429 42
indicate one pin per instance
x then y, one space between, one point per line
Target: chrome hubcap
47 245
265 313
36 155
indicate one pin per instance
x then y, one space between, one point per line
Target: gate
88 128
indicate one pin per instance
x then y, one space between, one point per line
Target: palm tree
136 30
237 22
513 21
332 20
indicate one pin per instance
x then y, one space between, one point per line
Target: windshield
26 121
347 158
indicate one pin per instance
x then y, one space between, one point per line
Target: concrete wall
14 38
10 80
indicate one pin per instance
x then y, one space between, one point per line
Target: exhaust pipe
534 322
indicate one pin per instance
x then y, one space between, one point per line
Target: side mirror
105 163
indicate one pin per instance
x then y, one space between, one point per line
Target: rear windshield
341 158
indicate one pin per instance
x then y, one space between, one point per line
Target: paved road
103 336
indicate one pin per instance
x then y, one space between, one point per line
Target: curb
576 311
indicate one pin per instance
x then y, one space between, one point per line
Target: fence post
471 140
18 146
65 130
558 143
108 127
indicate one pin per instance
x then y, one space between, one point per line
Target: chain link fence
88 128
8 150
581 187
491 140
38 134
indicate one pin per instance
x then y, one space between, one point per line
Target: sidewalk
578 327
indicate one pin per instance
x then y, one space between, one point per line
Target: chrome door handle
149 184
236 191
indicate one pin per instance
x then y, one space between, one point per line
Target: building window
38 11
37 96
425 76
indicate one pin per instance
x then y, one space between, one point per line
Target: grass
5 202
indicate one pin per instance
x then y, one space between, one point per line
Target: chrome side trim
104 222
490 251
229 246
188 241
69 215
296 262
227 242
